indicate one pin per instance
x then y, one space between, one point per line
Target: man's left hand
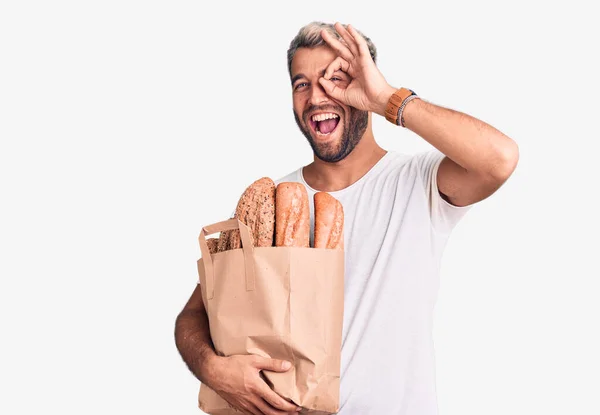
368 90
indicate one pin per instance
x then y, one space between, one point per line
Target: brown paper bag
278 302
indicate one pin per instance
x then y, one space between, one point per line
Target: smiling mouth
324 124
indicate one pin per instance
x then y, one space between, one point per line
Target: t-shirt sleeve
444 215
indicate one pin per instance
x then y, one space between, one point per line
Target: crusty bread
256 209
292 215
329 222
223 243
212 245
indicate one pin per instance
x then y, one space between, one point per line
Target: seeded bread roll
223 243
292 215
212 245
256 209
329 222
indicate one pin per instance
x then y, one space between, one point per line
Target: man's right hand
237 380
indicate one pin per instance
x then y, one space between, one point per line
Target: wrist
396 103
409 111
210 367
383 99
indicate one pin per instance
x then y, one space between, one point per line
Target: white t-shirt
396 225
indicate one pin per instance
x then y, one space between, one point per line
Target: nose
318 95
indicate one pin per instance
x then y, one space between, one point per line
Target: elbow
507 160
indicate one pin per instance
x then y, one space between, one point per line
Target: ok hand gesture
368 90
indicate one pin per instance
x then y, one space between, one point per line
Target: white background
126 126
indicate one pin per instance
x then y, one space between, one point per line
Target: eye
335 78
298 85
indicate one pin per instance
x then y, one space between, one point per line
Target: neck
330 177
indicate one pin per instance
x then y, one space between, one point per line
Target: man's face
331 128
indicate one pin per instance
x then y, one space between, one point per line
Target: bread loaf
329 222
212 245
223 243
292 215
256 209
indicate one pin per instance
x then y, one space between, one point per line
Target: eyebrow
301 75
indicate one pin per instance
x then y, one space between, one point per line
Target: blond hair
309 36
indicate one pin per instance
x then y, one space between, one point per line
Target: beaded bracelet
401 109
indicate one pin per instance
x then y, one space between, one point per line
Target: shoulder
398 159
293 176
422 162
405 164
420 167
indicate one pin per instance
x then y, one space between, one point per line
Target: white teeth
326 116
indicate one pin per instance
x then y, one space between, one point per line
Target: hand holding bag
277 302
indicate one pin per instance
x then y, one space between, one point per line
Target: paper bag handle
247 249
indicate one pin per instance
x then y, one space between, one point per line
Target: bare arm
479 158
192 338
235 378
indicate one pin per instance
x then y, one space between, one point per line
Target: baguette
329 222
292 215
255 209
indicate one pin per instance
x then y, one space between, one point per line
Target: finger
247 408
267 409
352 45
338 64
360 41
275 365
337 46
253 409
276 401
333 90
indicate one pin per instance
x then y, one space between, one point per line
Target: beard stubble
354 129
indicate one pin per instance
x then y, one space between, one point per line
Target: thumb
332 89
275 365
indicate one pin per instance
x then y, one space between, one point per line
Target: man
399 211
